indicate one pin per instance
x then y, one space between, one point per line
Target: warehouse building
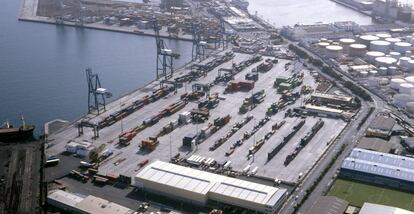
379 168
369 208
408 143
78 204
381 127
204 188
332 99
323 111
375 144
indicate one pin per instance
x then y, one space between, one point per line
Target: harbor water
42 66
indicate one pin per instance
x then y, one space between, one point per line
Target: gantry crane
96 94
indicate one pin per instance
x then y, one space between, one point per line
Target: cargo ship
10 134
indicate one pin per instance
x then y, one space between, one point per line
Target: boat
8 133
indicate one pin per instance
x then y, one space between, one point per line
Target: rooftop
329 205
333 97
382 123
369 208
374 144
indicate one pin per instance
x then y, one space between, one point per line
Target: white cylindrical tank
395 83
379 45
392 70
408 53
371 55
334 51
392 41
357 50
410 66
404 61
406 88
402 99
402 47
383 35
385 61
395 55
410 107
384 81
383 71
363 73
366 39
373 72
345 43
323 44
409 79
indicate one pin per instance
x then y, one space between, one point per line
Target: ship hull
16 134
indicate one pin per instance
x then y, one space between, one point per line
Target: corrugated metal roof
201 182
382 164
369 208
66 198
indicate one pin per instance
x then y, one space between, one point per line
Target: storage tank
406 88
385 61
409 107
345 43
383 35
366 39
363 73
371 55
379 45
392 41
409 79
323 44
404 61
383 71
410 66
357 50
334 51
396 82
402 47
373 72
401 100
384 81
408 53
395 55
392 70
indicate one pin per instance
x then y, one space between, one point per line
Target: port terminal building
204 188
379 168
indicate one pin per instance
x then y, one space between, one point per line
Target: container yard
203 117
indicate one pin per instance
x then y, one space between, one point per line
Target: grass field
358 193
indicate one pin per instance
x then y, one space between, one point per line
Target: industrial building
374 144
78 204
379 168
369 208
329 205
408 143
381 127
332 99
324 111
203 188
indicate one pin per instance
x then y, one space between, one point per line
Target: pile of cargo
156 95
285 140
252 76
304 141
201 69
247 135
150 144
210 102
244 64
236 127
79 176
265 66
251 102
206 131
199 115
263 140
285 100
126 137
288 84
239 85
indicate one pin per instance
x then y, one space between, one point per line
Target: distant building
329 205
369 208
203 188
332 99
72 203
379 168
312 33
375 144
381 127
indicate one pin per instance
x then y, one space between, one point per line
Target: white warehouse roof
200 186
369 208
382 164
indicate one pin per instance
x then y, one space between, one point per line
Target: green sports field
358 193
